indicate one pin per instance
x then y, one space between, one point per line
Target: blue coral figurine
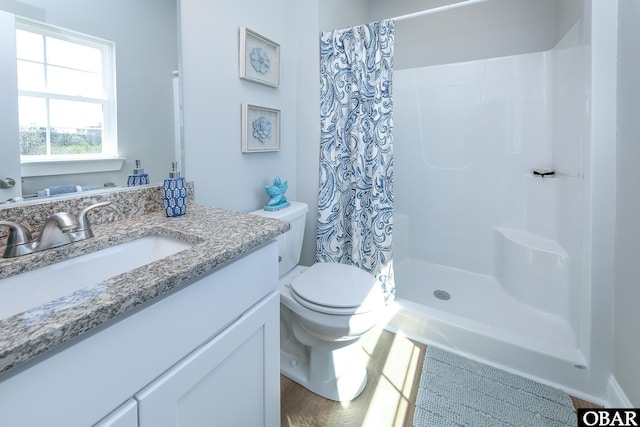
277 200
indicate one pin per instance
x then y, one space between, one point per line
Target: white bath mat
455 391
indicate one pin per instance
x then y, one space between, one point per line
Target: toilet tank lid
286 214
338 285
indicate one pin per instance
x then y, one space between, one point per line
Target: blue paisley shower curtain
356 150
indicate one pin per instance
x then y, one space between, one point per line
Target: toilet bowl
324 310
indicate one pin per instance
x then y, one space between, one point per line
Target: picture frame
259 58
260 129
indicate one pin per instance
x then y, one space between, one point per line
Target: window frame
30 163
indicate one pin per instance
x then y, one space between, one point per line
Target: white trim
616 397
66 167
437 9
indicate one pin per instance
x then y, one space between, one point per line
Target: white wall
483 30
466 137
145 33
600 186
570 124
213 94
626 345
309 121
339 14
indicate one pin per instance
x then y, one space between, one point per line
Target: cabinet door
125 416
232 380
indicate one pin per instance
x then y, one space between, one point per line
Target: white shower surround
470 218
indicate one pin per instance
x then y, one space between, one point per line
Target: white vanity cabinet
223 383
206 353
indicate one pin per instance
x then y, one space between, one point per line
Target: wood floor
394 364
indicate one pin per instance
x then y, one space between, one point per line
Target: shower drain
440 294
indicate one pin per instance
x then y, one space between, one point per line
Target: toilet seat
337 289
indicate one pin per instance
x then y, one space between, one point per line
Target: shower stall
491 207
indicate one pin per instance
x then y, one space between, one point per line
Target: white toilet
324 310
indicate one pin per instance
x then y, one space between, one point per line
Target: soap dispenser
174 193
138 177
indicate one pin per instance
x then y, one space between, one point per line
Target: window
66 94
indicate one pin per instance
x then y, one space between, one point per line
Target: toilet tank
289 243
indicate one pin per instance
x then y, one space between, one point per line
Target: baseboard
616 396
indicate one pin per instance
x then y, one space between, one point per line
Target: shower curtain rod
437 9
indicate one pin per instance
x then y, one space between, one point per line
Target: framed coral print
260 129
259 58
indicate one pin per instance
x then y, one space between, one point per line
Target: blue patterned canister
174 197
138 177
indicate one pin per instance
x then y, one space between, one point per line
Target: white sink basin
36 287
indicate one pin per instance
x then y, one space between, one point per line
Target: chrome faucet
19 241
59 229
56 232
84 227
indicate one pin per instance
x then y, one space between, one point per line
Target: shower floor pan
483 322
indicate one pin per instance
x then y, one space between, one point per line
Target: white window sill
65 167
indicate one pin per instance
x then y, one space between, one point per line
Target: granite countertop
218 236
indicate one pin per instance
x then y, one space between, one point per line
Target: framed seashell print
260 129
259 58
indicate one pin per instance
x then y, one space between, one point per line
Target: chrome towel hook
544 173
